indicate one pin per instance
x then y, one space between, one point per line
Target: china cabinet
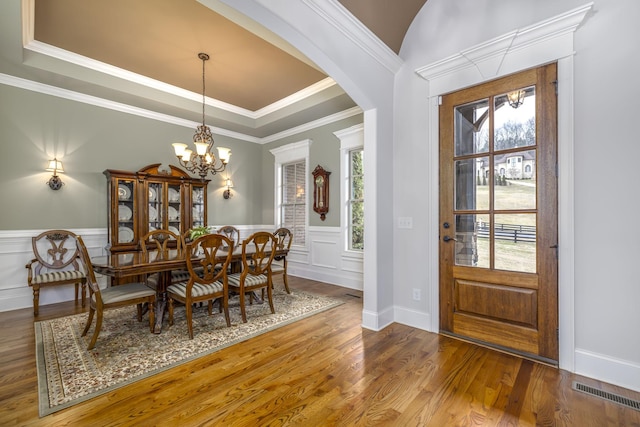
152 198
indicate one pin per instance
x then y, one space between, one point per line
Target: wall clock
321 191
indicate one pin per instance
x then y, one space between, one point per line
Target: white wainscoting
323 260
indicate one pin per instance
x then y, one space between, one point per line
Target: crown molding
312 125
341 19
46 89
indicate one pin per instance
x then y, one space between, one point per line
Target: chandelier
203 161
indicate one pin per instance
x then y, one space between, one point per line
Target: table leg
161 299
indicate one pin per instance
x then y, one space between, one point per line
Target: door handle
447 239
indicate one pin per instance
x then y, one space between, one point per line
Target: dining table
126 266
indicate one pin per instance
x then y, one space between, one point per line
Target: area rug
126 351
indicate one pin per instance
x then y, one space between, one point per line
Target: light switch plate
405 222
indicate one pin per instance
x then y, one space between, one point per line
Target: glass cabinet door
174 208
198 211
124 232
155 197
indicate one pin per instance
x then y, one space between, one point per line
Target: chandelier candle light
203 161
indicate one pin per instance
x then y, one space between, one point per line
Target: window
352 188
294 207
291 206
356 200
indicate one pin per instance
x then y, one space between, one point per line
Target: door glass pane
471 128
515 242
515 180
515 119
471 234
471 175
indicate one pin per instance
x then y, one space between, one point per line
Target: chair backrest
208 258
56 250
94 288
231 233
258 251
159 245
285 237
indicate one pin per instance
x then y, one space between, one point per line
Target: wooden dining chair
101 300
158 245
232 233
56 263
258 252
279 264
207 262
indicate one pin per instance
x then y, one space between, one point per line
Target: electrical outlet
416 294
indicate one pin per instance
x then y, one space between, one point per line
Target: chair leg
224 304
189 313
36 299
286 282
89 320
139 312
96 332
84 291
76 286
242 308
270 296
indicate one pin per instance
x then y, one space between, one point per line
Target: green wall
88 139
35 127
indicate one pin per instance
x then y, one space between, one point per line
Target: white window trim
286 154
350 139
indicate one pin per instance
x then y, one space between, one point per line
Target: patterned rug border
43 393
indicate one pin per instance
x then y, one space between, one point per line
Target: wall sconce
55 166
516 98
227 193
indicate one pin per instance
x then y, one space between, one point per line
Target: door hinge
440 100
555 83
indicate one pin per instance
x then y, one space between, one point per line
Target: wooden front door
498 214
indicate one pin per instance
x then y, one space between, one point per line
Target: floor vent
615 398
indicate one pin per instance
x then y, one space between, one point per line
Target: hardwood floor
322 371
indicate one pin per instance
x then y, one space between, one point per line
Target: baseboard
332 277
608 369
413 318
377 321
